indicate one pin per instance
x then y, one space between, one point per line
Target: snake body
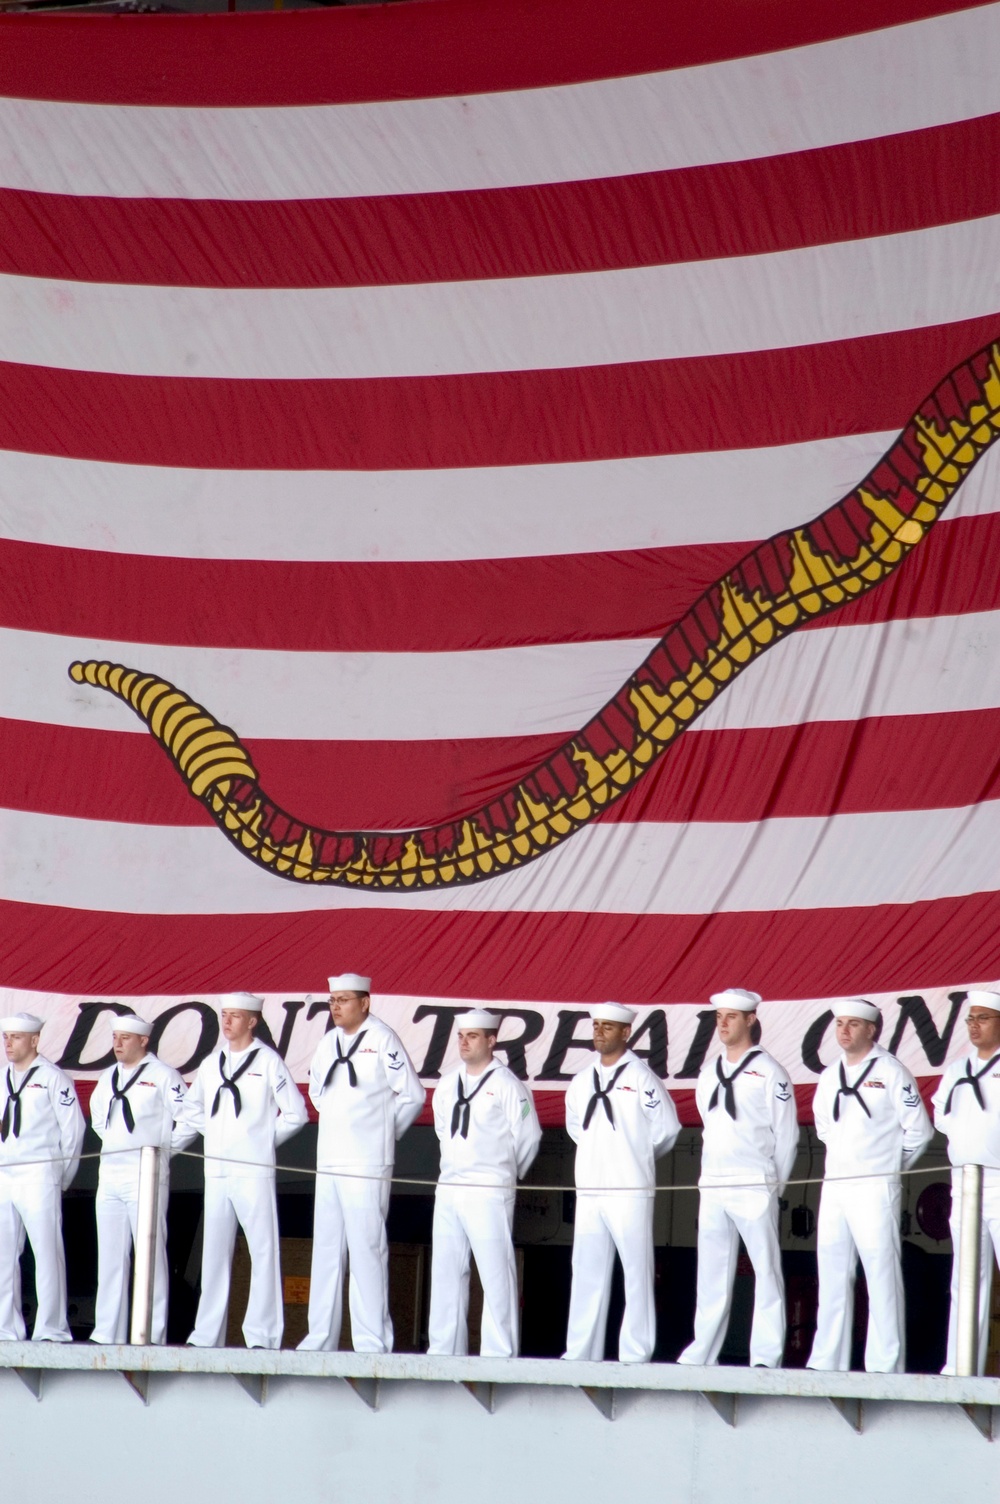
791 579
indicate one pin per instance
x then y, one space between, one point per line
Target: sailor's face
855 1034
20 1047
475 1046
130 1048
609 1037
238 1023
349 1009
733 1026
984 1029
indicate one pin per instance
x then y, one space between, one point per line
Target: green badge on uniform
525 1109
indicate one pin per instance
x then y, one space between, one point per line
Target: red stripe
862 189
439 47
823 768
572 958
437 606
759 398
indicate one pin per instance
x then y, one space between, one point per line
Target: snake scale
791 579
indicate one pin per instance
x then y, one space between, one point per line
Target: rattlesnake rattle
791 579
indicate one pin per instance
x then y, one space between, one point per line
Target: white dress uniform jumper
132 1107
489 1134
967 1111
750 1140
873 1123
367 1093
40 1120
246 1105
622 1119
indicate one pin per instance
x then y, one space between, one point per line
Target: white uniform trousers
725 1215
860 1219
31 1206
349 1230
473 1222
251 1202
606 1221
989 1248
116 1208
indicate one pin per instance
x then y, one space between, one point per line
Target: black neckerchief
118 1094
462 1112
843 1090
15 1098
725 1083
972 1078
602 1095
229 1082
342 1059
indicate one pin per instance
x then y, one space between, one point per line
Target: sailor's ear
755 1031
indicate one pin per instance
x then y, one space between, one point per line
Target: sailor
367 1093
750 1140
869 1115
489 1133
967 1111
41 1135
622 1119
246 1104
135 1104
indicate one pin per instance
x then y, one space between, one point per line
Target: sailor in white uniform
622 1119
41 1135
747 1104
967 1111
367 1093
135 1104
245 1103
489 1133
869 1115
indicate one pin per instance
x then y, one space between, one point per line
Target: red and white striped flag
389 382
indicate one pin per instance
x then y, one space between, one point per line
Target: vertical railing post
968 1255
144 1266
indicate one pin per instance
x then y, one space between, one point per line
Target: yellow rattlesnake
793 578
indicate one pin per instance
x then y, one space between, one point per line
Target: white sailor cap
20 1023
350 982
612 1013
249 1002
859 1007
131 1025
737 999
979 999
478 1018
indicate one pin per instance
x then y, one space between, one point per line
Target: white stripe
696 308
903 667
785 1026
900 79
376 516
508 512
843 861
517 511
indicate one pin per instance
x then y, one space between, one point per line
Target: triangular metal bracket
139 1383
255 1385
365 1389
31 1378
981 1417
485 1394
604 1399
851 1410
724 1405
